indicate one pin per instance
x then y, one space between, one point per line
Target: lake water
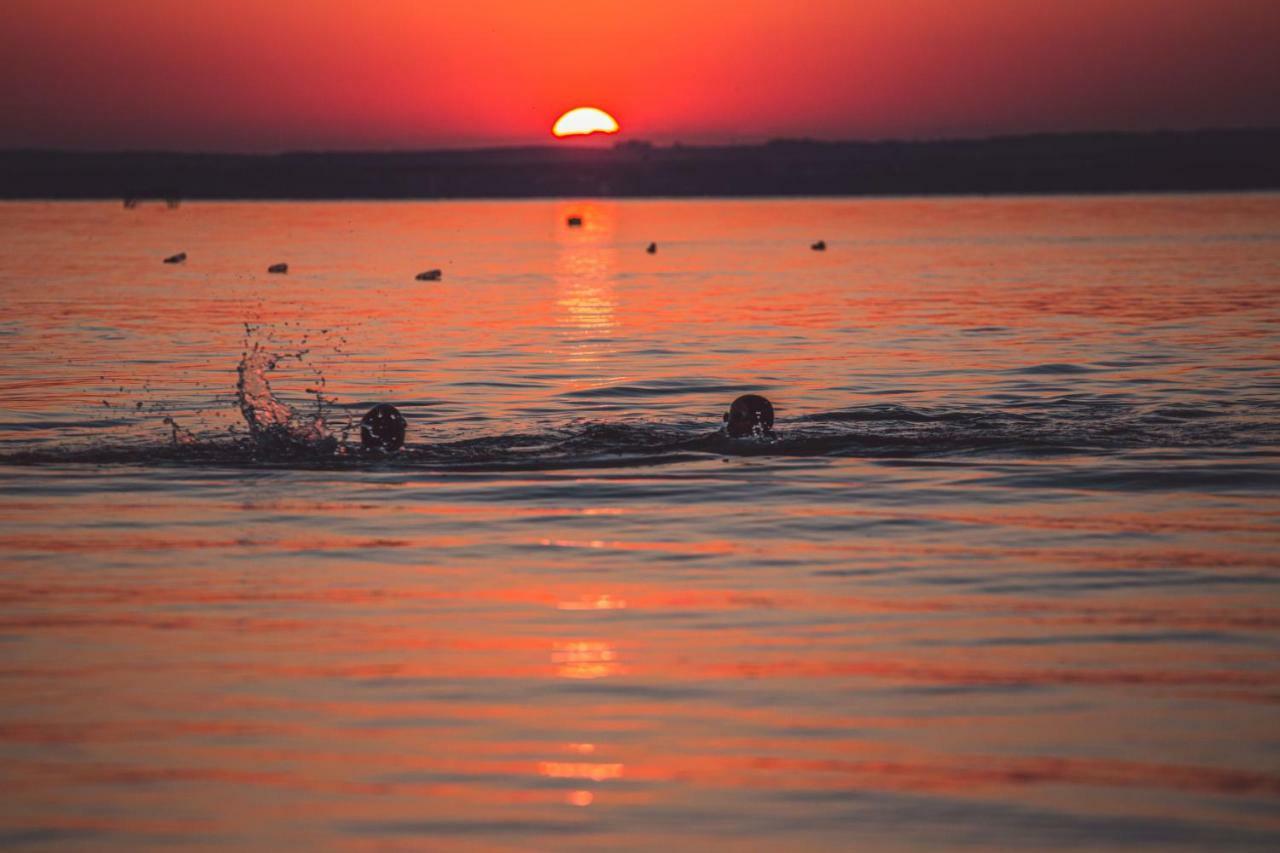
1004 577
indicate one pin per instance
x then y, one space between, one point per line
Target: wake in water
277 434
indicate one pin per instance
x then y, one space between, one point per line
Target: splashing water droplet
274 426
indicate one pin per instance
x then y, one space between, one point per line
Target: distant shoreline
1181 161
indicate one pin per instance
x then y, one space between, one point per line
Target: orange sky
289 74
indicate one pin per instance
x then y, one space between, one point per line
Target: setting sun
584 120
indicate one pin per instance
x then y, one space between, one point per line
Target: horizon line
580 145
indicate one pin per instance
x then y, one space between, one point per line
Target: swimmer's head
748 415
382 428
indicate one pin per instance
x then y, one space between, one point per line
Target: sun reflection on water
585 659
585 270
579 770
598 602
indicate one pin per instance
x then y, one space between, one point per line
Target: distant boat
429 275
820 246
176 259
574 221
279 268
652 249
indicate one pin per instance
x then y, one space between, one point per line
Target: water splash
275 427
181 436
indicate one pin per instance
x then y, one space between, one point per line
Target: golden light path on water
585 269
1006 577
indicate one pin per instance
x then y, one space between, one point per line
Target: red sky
266 75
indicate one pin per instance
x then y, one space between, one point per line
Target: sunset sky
248 75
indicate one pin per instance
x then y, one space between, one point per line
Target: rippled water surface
1004 577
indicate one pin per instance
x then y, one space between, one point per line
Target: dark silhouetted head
382 428
748 414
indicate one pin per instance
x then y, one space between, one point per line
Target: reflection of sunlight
597 602
586 771
584 284
579 770
584 291
585 660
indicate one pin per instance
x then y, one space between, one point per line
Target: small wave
893 414
1056 369
1220 475
660 389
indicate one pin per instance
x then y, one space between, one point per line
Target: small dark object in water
574 221
652 249
382 428
429 275
820 246
176 259
278 268
749 413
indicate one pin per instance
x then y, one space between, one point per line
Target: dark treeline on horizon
1059 163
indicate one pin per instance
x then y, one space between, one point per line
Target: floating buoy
820 246
574 221
652 248
176 259
382 428
278 268
429 275
748 414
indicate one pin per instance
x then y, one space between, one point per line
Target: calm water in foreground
1006 577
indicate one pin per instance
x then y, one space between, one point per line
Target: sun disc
584 120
